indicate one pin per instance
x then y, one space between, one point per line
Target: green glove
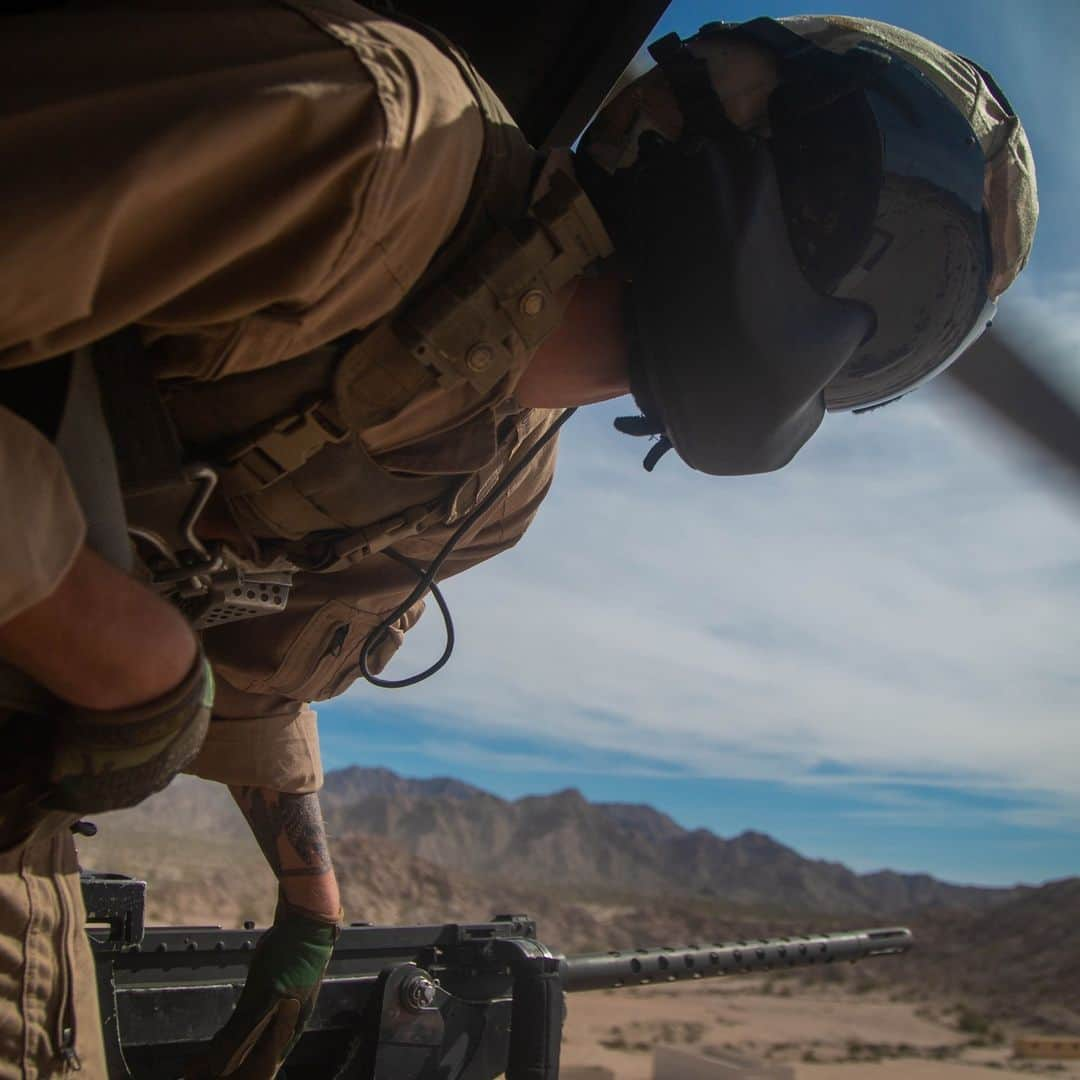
283 982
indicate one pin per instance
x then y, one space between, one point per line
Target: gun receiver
451 1002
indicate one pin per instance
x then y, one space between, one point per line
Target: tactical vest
284 439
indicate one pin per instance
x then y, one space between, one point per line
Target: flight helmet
834 254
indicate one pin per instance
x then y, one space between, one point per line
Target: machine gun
455 1002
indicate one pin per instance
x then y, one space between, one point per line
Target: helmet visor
881 179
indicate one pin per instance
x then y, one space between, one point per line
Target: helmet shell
1010 192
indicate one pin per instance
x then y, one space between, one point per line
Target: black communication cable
427 577
383 628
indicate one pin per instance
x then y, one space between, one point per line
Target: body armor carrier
282 443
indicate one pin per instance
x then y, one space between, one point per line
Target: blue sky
870 655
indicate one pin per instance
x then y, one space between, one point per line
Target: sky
870 655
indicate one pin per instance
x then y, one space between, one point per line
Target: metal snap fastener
479 358
532 303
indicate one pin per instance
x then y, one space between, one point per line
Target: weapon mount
452 1002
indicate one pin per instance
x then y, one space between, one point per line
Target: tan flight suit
245 181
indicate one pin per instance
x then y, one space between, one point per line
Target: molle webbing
461 330
287 440
499 195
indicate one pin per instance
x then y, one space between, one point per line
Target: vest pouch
339 487
310 659
320 661
379 657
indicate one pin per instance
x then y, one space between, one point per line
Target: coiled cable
426 582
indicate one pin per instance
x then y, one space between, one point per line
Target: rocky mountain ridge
572 847
1015 960
617 847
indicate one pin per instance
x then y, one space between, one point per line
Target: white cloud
903 601
1043 314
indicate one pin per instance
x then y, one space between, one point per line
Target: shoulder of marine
405 425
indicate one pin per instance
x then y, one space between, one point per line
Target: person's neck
585 359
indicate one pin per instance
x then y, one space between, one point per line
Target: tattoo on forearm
289 829
302 824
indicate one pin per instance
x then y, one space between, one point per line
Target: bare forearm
100 639
291 833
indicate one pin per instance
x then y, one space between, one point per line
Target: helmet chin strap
640 425
649 423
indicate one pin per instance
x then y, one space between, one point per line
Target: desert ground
820 1033
951 1010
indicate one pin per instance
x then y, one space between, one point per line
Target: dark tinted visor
881 179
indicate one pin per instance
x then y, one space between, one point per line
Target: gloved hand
283 982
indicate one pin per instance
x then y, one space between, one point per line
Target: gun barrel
639 967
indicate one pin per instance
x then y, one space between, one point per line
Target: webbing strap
148 452
85 443
280 449
462 330
334 553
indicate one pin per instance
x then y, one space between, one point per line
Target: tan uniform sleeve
271 744
243 180
41 525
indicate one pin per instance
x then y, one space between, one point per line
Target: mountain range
617 847
571 846
600 875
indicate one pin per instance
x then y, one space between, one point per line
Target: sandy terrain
823 1034
926 1070
876 1021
